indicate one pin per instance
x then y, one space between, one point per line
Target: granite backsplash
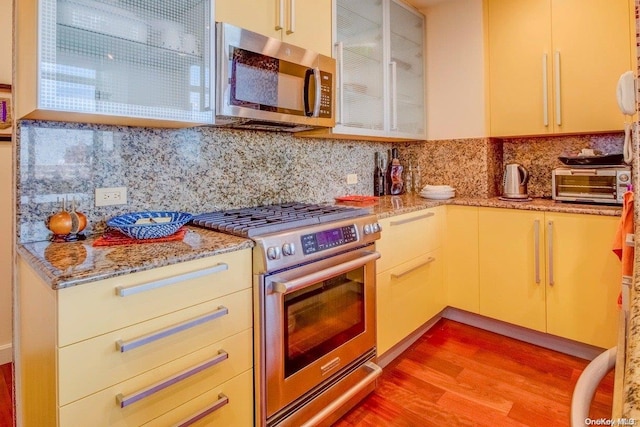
206 169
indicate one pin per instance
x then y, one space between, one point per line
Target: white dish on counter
438 195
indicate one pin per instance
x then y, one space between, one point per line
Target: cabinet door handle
123 346
340 60
292 17
550 249
222 400
124 401
556 65
415 218
545 92
124 291
398 275
394 95
279 14
536 248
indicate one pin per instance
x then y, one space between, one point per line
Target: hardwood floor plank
6 402
458 375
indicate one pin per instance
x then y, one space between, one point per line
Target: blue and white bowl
149 225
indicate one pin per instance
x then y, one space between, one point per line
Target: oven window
322 317
586 186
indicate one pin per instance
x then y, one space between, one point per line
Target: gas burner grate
257 221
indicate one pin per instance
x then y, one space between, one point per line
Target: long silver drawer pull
124 291
376 371
124 401
286 287
398 275
123 346
279 14
415 218
536 248
550 249
222 400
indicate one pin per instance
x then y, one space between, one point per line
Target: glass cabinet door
360 59
126 58
407 70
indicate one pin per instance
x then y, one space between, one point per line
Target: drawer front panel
95 308
237 411
103 408
94 364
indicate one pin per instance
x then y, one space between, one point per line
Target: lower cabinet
160 347
461 258
410 276
551 272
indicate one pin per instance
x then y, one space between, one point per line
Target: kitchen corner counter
74 263
396 205
631 388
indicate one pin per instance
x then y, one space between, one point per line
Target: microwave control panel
326 89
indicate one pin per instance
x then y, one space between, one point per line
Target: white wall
455 70
6 190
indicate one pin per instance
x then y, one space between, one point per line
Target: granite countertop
631 388
74 263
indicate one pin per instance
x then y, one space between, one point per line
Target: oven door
317 319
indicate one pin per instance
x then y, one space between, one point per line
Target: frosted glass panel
133 58
407 50
359 28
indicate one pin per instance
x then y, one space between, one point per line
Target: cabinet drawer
407 296
103 408
97 363
95 308
236 412
407 236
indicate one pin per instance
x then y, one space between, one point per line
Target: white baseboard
6 353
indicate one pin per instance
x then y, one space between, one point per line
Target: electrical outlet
352 178
111 196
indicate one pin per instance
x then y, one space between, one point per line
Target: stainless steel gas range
314 303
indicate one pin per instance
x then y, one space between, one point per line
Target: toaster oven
590 185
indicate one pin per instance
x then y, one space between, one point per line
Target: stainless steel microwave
604 185
264 83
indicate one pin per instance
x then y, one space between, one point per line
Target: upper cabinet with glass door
304 23
379 49
126 62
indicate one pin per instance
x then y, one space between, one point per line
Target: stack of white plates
438 192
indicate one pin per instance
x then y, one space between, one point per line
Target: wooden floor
6 405
458 375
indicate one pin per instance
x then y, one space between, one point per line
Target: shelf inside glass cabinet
92 44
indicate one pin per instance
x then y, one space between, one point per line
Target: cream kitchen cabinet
410 274
300 22
461 258
554 65
163 344
551 272
125 63
380 93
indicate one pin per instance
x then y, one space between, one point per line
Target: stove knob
376 227
288 249
368 229
623 177
273 252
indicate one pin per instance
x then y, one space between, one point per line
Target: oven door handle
286 287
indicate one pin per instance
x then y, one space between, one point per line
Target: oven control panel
327 239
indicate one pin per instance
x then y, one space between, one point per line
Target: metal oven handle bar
376 371
124 291
123 346
222 400
304 281
124 401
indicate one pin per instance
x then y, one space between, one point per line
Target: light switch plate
352 178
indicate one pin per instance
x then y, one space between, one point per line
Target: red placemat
357 199
114 237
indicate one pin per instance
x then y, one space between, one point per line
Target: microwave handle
315 72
